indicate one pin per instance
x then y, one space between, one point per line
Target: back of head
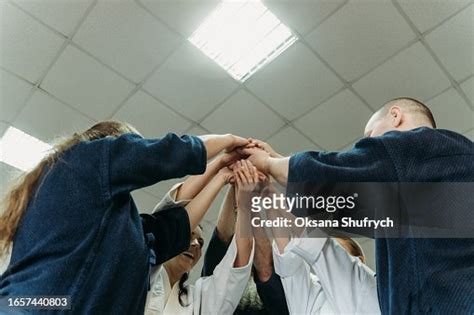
416 109
19 194
400 114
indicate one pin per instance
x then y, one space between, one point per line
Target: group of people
74 230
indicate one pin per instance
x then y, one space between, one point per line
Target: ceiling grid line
346 84
67 41
169 27
140 84
326 18
168 106
428 48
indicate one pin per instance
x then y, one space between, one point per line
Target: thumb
246 151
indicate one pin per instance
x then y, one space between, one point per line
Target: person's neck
174 275
414 125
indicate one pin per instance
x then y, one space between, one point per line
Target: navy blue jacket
81 234
414 276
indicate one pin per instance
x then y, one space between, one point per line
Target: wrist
221 179
264 274
268 165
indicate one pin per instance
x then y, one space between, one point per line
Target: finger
239 141
255 175
242 180
241 173
238 181
246 152
246 171
250 167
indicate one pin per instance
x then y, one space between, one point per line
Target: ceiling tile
289 141
470 134
351 44
451 112
28 48
13 94
302 15
184 16
453 43
336 122
126 37
150 117
61 15
198 131
85 84
160 189
7 175
468 88
426 14
144 201
294 82
245 116
190 82
411 73
3 127
56 120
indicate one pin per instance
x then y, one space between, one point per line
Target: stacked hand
249 182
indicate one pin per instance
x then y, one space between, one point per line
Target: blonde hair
20 193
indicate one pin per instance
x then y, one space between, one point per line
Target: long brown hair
20 193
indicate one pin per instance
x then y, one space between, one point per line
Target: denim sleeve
171 230
135 162
272 294
214 254
367 161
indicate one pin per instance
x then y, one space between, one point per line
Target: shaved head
411 106
401 114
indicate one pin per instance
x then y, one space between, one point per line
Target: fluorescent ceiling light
242 36
21 150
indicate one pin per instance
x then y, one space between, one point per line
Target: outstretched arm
198 207
216 143
277 167
194 184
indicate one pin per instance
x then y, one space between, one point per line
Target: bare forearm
198 207
243 241
263 259
216 143
226 220
278 169
194 184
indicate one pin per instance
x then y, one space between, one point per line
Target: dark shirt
414 275
270 292
81 234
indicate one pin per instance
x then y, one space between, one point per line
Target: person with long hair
74 229
220 292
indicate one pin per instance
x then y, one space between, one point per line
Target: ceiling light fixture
21 150
242 37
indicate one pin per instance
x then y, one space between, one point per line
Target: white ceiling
66 64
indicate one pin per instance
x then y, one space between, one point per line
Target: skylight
242 36
21 150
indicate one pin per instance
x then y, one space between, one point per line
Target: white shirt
216 294
320 277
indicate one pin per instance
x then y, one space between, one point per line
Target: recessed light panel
242 36
21 150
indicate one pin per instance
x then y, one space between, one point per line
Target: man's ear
396 118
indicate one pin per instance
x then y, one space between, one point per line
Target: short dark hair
413 105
